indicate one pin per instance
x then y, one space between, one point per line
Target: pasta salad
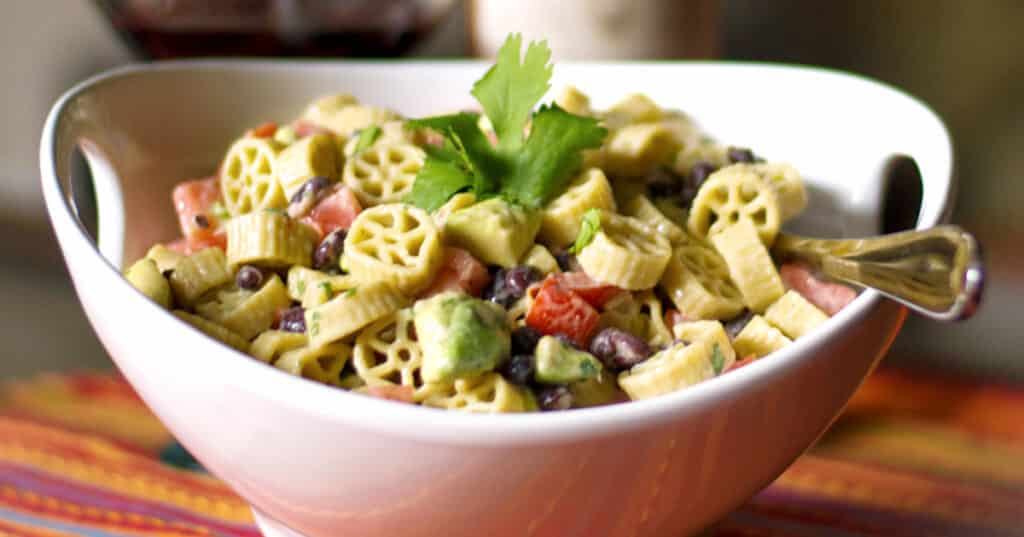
519 259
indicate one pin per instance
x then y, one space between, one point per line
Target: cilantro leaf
550 155
366 138
717 359
350 292
437 181
590 224
464 126
510 89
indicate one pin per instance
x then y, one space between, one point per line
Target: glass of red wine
161 29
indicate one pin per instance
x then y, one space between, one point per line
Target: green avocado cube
559 363
459 336
493 231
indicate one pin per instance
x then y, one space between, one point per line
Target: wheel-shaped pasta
677 367
642 209
387 352
248 177
789 186
315 155
560 219
384 173
758 338
697 281
794 315
322 363
344 115
214 330
487 393
730 195
626 253
396 243
247 313
346 313
750 266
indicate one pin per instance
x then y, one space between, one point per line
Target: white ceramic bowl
325 462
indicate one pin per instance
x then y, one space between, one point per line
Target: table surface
912 456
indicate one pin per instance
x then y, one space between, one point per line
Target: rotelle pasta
532 258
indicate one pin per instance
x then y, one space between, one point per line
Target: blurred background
962 58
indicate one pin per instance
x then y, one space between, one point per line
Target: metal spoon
937 272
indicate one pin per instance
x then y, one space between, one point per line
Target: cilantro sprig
366 138
526 170
590 225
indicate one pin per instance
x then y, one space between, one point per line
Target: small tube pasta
248 177
710 331
642 209
214 330
269 239
658 333
247 313
635 149
495 232
697 281
794 315
634 108
315 155
300 279
324 290
750 265
624 312
198 273
574 101
516 316
146 277
165 258
394 243
758 338
458 201
560 219
344 115
346 313
700 149
596 391
383 173
268 346
626 253
680 366
675 214
388 352
541 259
322 363
488 393
730 195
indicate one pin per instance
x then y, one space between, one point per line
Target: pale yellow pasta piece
626 253
634 108
627 188
658 333
268 346
269 239
248 177
731 195
487 393
458 201
346 313
750 266
391 133
541 259
247 313
324 290
387 352
517 312
300 278
697 281
642 209
315 155
165 258
758 338
634 150
495 232
675 214
214 330
395 243
794 315
680 366
625 313
560 219
146 277
683 129
199 273
574 101
711 331
384 173
322 363
698 149
789 186
595 391
344 115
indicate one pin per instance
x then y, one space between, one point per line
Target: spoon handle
937 272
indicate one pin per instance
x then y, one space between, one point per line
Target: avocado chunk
459 336
146 277
559 363
493 231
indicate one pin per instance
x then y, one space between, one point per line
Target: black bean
734 326
566 261
524 340
329 251
293 320
313 187
202 222
663 182
693 181
618 349
511 284
519 369
249 277
740 154
554 398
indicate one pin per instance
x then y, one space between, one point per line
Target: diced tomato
305 128
179 245
674 317
747 360
829 296
189 246
265 130
193 199
336 211
557 310
460 271
593 291
392 392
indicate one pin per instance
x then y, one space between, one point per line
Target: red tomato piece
192 202
747 360
336 211
218 240
179 245
392 392
265 130
460 271
829 296
591 290
674 317
557 310
305 128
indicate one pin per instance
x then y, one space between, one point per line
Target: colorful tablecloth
912 456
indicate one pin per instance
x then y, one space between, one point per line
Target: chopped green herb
327 287
590 224
350 292
717 359
314 330
219 211
274 210
587 368
301 286
366 138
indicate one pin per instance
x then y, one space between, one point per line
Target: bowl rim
371 413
